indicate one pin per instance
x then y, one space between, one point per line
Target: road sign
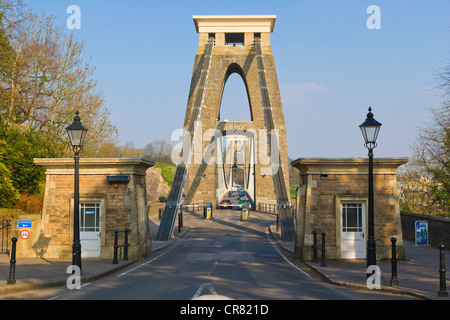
24 234
421 233
25 224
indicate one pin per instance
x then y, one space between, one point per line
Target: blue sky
330 66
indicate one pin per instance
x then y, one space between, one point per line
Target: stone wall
155 185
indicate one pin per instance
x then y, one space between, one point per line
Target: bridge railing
267 207
272 208
195 206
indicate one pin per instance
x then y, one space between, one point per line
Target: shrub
30 203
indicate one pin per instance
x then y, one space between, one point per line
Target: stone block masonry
122 205
201 182
328 183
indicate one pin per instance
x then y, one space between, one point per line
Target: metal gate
4 231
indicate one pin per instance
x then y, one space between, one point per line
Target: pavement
37 273
418 275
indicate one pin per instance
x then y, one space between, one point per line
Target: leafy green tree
8 194
18 153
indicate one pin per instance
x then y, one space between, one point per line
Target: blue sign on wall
25 223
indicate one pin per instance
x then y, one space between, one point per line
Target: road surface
222 257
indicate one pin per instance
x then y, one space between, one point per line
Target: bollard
116 236
322 262
394 280
442 285
278 223
125 249
12 266
180 219
244 214
207 212
314 246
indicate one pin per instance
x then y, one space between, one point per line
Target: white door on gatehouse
353 227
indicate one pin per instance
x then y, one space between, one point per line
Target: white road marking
212 269
202 287
286 259
60 295
151 260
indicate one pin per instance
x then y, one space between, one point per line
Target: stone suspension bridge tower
211 156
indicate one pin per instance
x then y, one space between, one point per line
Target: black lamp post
76 132
370 129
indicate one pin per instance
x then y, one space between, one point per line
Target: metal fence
267 207
4 231
271 208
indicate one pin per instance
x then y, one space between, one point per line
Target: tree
8 194
17 154
428 173
46 80
431 160
158 151
128 150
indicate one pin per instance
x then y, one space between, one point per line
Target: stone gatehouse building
333 198
112 196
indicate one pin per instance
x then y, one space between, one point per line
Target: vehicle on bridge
225 203
245 201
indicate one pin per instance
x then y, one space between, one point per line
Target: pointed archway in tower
235 101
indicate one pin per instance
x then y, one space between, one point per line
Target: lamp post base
76 254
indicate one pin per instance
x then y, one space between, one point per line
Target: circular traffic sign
24 234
